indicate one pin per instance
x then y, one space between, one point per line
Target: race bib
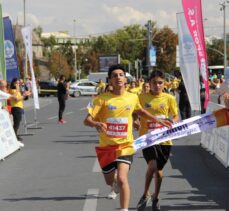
152 125
117 127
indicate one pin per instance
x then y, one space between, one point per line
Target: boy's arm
146 114
100 126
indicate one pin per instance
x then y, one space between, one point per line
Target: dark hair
157 73
12 85
61 77
115 67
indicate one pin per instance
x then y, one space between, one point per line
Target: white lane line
54 117
96 167
82 109
91 200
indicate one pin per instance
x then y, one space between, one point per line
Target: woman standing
62 94
17 104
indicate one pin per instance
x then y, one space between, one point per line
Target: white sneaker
115 187
112 194
21 144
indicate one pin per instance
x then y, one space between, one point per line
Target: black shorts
160 153
112 166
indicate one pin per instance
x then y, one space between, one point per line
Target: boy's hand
101 127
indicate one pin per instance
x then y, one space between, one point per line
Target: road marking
96 167
91 200
54 117
84 108
68 113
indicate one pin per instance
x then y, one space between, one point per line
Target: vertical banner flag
194 20
12 69
152 56
2 49
188 62
27 37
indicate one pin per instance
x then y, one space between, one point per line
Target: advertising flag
12 69
194 20
152 56
188 62
2 49
27 37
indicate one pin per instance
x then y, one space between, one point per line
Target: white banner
188 63
193 125
8 140
27 37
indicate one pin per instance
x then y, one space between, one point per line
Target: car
83 87
47 88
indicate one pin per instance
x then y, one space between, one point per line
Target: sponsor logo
147 105
9 49
111 107
128 107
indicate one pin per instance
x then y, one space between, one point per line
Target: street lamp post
24 19
74 48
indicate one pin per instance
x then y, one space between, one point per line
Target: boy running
160 105
111 114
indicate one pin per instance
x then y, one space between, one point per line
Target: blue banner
152 56
12 69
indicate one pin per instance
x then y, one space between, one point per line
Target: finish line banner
187 127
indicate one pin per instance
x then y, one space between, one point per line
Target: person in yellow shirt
160 105
133 88
17 104
101 86
111 114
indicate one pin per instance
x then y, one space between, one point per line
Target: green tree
38 30
58 65
215 51
166 41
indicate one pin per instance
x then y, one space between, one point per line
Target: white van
104 76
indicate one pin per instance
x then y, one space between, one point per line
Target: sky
94 17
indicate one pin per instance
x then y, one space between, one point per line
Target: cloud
127 15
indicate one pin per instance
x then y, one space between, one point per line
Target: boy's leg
152 167
122 176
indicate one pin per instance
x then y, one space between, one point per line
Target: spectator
17 104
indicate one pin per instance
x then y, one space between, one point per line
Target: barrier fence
216 141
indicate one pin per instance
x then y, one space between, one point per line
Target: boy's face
118 78
157 85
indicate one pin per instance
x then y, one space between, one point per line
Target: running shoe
155 205
112 194
116 187
62 121
144 200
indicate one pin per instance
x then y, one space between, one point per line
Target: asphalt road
57 170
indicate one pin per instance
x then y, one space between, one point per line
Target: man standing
111 114
62 93
160 105
184 104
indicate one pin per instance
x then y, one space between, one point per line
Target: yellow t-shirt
161 106
14 103
136 90
116 111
